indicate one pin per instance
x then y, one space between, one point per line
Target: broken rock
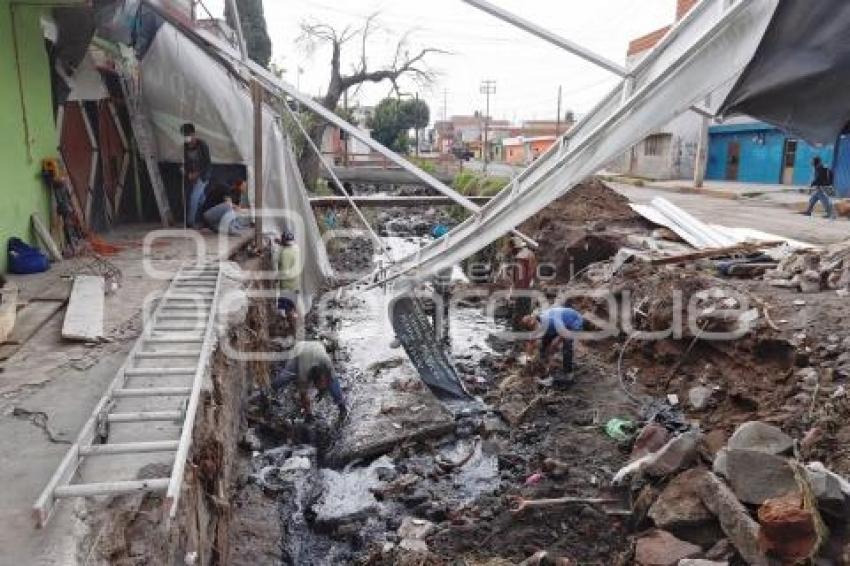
788 529
677 454
756 476
826 488
660 548
760 437
734 518
650 439
679 505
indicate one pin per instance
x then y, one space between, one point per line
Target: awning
800 75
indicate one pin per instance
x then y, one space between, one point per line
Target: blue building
755 152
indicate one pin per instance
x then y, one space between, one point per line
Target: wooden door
733 161
789 158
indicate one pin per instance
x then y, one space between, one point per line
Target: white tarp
707 49
181 83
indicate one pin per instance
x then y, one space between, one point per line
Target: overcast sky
527 70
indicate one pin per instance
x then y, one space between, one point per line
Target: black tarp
799 79
416 335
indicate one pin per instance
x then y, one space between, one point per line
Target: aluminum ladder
146 417
131 85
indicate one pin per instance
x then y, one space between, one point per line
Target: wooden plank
45 238
717 252
29 321
84 318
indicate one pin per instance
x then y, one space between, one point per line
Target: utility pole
488 87
342 134
702 149
558 115
417 127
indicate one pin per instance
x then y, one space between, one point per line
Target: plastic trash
620 430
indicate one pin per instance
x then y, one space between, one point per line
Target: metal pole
488 87
702 149
544 34
336 180
243 47
257 96
558 115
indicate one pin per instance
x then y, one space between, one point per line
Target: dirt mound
591 201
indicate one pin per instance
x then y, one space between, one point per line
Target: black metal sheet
416 335
799 78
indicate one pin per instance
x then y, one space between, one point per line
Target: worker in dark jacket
197 167
311 368
821 183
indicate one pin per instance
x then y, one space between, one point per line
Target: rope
336 180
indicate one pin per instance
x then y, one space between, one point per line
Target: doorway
789 158
733 161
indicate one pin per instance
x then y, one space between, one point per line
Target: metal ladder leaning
142 131
180 328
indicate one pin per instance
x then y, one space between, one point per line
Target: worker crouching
311 368
553 330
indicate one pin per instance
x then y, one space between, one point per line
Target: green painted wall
27 125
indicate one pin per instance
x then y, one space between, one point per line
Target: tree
403 65
253 29
394 118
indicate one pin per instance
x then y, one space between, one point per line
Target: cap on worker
187 129
287 237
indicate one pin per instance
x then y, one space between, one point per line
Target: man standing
311 368
554 328
821 183
197 166
524 271
289 277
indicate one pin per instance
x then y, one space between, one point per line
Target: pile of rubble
705 500
810 271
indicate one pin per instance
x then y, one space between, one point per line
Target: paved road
759 215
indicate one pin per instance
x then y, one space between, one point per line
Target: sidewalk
49 387
786 196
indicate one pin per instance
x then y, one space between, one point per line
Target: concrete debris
660 548
760 437
756 477
699 397
720 466
415 529
735 520
827 489
676 455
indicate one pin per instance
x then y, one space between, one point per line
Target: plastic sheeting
800 76
708 48
181 83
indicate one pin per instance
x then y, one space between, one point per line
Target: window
657 145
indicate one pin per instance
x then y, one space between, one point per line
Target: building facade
27 121
754 152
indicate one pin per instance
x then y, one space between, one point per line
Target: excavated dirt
535 441
587 225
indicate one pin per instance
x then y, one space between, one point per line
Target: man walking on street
197 166
553 329
821 184
312 367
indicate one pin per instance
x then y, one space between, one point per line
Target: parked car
462 153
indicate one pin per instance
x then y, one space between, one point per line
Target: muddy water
332 515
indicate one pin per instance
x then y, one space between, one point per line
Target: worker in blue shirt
553 329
